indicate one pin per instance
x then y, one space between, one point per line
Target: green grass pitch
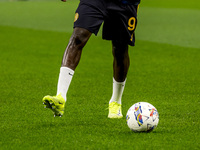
164 71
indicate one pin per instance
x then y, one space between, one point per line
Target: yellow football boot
55 103
115 110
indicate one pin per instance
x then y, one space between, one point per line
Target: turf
164 71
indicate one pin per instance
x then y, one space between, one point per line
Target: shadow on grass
101 125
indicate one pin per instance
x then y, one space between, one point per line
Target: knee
79 38
76 42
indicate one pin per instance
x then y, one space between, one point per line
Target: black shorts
119 19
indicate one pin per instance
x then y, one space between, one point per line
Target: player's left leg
88 19
120 69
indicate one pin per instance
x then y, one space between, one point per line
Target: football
142 117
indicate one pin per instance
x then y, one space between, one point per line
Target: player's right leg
70 61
